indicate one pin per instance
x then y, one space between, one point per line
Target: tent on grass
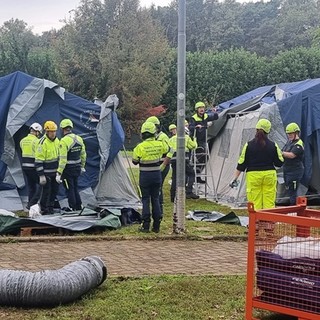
283 103
25 99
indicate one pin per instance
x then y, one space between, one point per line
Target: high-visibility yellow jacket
47 156
28 148
190 144
165 139
72 152
195 120
148 154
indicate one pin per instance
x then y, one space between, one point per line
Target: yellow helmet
154 120
292 128
172 126
264 124
50 126
148 127
199 104
66 123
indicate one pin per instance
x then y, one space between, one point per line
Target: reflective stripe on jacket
148 154
47 156
72 152
28 148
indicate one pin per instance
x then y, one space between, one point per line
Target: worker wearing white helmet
28 147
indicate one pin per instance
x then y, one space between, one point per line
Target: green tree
214 77
16 42
114 47
294 65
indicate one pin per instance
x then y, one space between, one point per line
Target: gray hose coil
51 287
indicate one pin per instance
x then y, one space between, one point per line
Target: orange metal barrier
283 272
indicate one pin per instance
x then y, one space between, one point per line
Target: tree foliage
114 46
16 42
261 27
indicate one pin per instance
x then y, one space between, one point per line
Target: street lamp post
179 210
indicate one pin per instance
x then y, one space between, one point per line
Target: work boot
156 227
143 230
191 195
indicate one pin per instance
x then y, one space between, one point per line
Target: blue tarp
297 102
54 106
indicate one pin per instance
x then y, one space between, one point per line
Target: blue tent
280 103
25 99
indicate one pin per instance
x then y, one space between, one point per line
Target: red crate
283 272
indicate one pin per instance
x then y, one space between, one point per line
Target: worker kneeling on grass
148 154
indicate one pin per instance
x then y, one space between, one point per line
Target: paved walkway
131 257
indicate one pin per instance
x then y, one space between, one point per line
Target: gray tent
284 103
24 100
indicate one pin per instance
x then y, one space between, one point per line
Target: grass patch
193 228
159 298
164 297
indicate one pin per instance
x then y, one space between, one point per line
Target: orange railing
283 272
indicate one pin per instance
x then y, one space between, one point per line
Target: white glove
83 170
42 180
58 178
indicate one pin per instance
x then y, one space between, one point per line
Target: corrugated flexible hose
51 287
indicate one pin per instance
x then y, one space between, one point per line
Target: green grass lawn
193 228
160 297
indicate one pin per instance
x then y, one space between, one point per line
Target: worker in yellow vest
28 148
163 137
148 154
46 161
190 144
72 160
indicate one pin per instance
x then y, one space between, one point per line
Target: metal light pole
181 93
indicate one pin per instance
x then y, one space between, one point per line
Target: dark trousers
34 189
70 182
150 184
48 196
291 182
190 178
163 177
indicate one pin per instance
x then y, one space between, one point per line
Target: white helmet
36 126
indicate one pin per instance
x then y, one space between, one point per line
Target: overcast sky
43 15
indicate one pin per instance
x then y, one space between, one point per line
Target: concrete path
131 257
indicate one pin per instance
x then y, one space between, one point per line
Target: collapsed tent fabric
214 216
283 103
24 100
71 221
51 287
